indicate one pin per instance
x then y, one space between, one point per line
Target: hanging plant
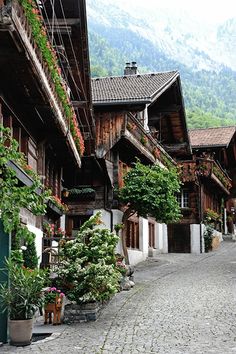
49 55
12 196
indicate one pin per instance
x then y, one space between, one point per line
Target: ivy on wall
13 196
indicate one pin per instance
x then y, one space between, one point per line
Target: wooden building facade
46 99
45 95
137 116
208 189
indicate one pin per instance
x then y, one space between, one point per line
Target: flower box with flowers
51 231
53 299
49 60
57 205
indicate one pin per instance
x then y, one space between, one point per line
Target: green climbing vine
13 196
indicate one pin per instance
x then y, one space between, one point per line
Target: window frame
183 198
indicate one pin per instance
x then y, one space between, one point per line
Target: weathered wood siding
108 131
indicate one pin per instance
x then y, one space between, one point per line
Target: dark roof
211 136
131 88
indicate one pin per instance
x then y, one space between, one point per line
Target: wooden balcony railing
133 129
14 17
190 170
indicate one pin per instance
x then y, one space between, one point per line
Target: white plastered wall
38 240
161 238
117 219
195 238
106 218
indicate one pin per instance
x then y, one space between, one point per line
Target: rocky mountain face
164 37
178 34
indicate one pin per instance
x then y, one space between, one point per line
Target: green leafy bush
88 268
23 297
151 190
30 255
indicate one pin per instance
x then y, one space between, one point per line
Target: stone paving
181 304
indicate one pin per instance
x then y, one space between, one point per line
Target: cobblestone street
181 304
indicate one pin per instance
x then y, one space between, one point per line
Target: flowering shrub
49 55
88 265
211 216
50 295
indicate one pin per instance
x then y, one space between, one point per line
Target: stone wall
74 313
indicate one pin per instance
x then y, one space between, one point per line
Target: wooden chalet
136 116
45 96
207 188
219 144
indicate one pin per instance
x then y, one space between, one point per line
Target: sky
209 10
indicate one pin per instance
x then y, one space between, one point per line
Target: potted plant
21 299
53 299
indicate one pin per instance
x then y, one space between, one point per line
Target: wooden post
4 253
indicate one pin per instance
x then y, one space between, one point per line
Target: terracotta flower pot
20 332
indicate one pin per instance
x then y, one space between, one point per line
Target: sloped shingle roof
211 136
131 88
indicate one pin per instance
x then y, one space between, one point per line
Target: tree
149 190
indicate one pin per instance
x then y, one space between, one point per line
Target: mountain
168 39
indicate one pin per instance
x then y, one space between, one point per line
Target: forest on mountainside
209 96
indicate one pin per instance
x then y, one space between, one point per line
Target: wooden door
179 238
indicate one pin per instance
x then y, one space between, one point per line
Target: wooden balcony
203 168
125 131
134 131
17 43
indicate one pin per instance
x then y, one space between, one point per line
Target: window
183 198
132 236
73 224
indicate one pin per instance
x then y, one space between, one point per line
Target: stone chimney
130 69
134 68
127 70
